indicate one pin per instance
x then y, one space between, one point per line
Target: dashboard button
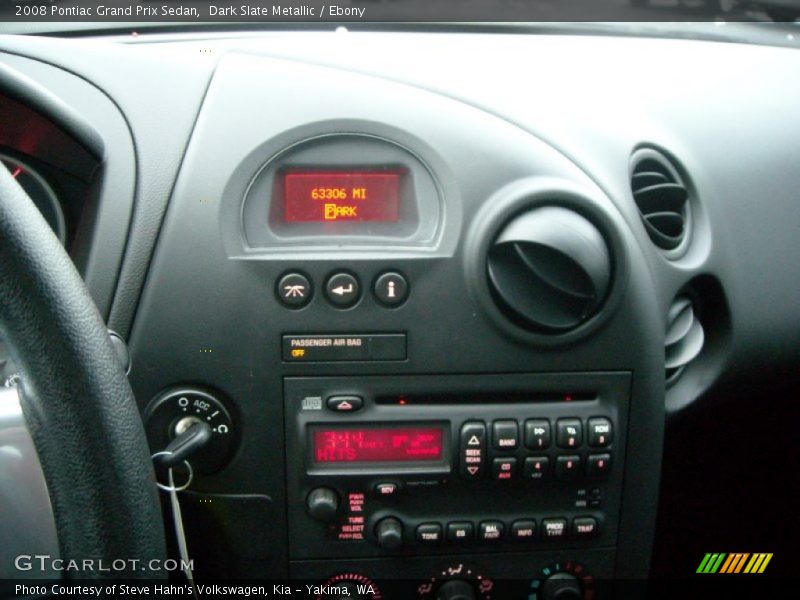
584 527
461 531
554 529
569 433
294 290
472 444
505 435
601 432
386 489
598 466
504 468
490 531
537 434
567 467
429 533
523 530
391 289
344 404
342 290
536 468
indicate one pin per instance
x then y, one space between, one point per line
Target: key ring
173 488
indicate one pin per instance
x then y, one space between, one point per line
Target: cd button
504 468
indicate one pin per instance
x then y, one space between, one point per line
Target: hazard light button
472 448
344 404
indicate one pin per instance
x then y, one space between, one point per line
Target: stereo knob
562 586
455 589
322 504
389 533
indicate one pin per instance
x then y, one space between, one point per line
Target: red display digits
316 196
404 444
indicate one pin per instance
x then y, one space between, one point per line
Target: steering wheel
77 402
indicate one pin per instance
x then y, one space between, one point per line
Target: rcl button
554 529
601 432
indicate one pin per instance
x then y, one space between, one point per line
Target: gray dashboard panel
491 109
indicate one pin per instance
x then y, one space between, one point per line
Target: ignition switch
175 410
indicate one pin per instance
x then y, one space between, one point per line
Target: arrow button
344 404
472 449
342 290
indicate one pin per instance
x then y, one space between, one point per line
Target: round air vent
661 197
549 269
685 337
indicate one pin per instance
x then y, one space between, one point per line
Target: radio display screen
332 196
377 444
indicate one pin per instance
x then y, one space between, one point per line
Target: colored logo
741 562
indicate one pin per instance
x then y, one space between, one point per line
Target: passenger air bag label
315 348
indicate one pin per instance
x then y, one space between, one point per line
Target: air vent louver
661 198
549 269
685 337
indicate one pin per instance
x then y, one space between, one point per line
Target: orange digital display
374 444
331 196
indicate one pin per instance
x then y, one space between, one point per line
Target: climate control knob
455 589
389 533
561 586
322 504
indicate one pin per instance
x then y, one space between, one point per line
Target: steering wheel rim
78 405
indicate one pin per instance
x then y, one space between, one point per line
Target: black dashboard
436 294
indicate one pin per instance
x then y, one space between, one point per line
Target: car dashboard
437 294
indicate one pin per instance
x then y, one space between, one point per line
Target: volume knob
389 533
322 504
